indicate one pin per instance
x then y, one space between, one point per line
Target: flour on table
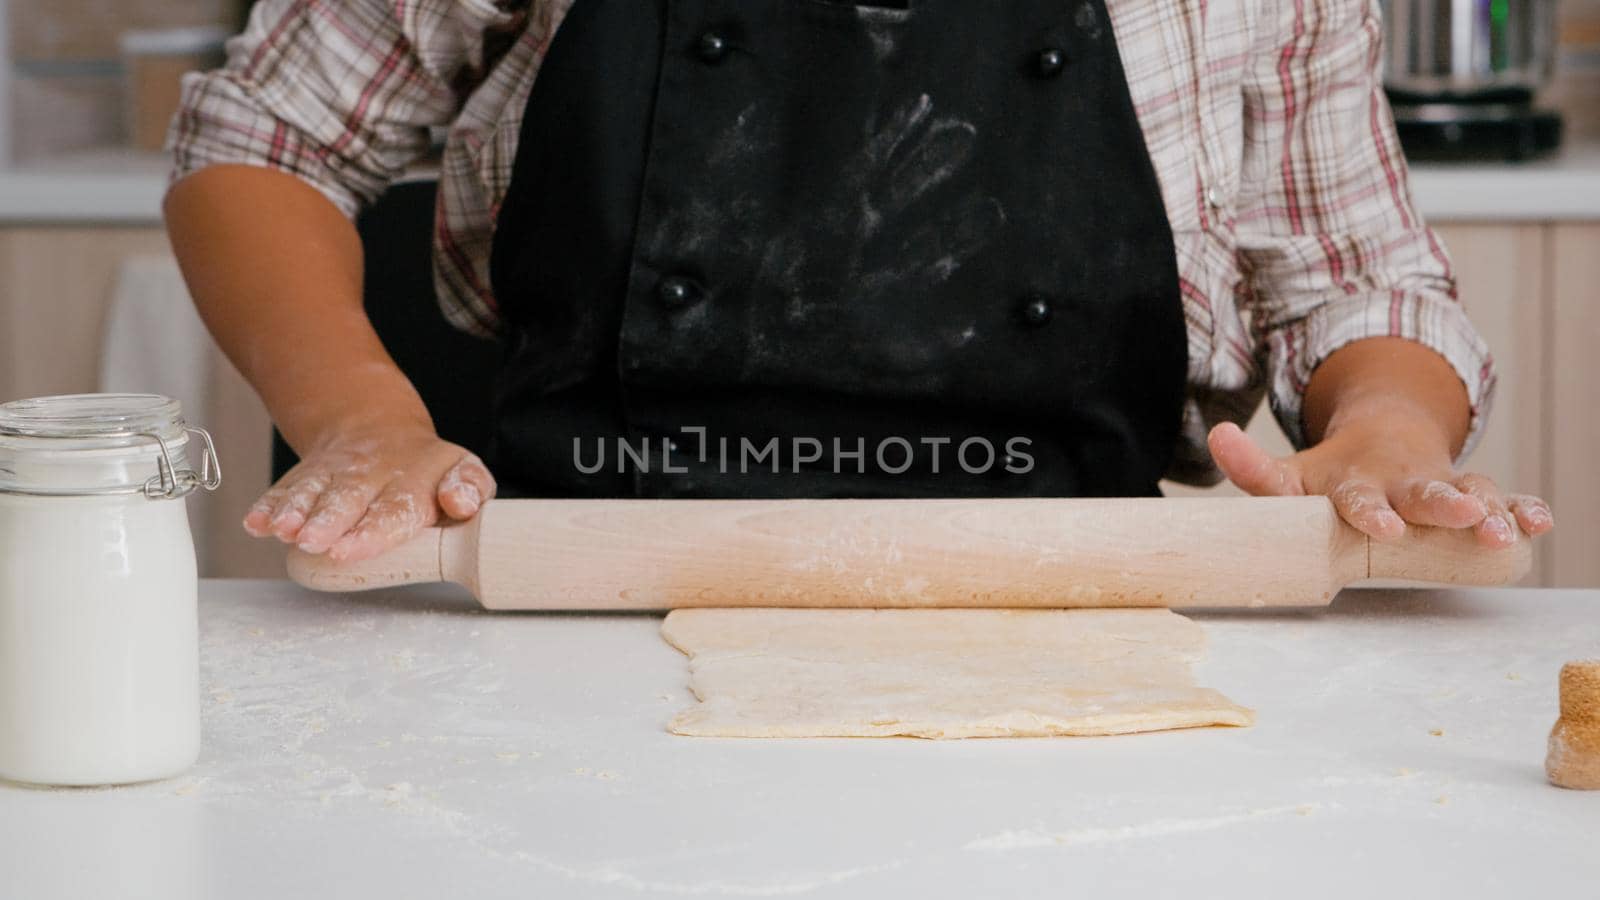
942 673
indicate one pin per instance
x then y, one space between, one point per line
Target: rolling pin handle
417 561
1448 556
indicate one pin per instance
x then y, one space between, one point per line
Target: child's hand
370 489
1381 476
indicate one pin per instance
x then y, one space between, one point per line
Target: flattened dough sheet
942 673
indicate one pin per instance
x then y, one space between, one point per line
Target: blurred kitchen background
90 299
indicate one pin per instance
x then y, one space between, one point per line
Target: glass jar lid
101 419
86 444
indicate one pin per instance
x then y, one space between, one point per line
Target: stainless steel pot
1468 49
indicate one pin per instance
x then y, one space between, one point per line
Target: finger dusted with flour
465 488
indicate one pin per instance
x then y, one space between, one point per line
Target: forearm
276 274
1390 384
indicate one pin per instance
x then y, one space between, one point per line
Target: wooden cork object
1574 760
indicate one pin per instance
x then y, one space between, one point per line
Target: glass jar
99 652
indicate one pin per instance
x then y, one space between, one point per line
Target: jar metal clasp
172 483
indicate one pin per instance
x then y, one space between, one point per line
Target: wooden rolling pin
669 554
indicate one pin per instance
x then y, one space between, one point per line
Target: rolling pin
1028 552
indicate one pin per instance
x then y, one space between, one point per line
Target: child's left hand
1381 476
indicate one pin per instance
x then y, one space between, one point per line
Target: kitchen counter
110 187
404 744
124 187
1565 187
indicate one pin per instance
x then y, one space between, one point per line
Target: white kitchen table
404 744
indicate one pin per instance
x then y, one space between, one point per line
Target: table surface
404 744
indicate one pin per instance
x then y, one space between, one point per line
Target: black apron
899 249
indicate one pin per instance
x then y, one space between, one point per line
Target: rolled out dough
941 673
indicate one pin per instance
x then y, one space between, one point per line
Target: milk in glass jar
99 659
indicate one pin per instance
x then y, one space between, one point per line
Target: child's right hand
369 489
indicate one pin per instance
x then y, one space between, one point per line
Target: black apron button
712 47
1050 62
676 291
1036 311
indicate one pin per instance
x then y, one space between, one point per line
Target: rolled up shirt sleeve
1331 248
342 95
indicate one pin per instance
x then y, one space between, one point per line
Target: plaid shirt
1270 135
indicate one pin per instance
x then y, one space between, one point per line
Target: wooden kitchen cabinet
1501 274
1572 365
56 284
